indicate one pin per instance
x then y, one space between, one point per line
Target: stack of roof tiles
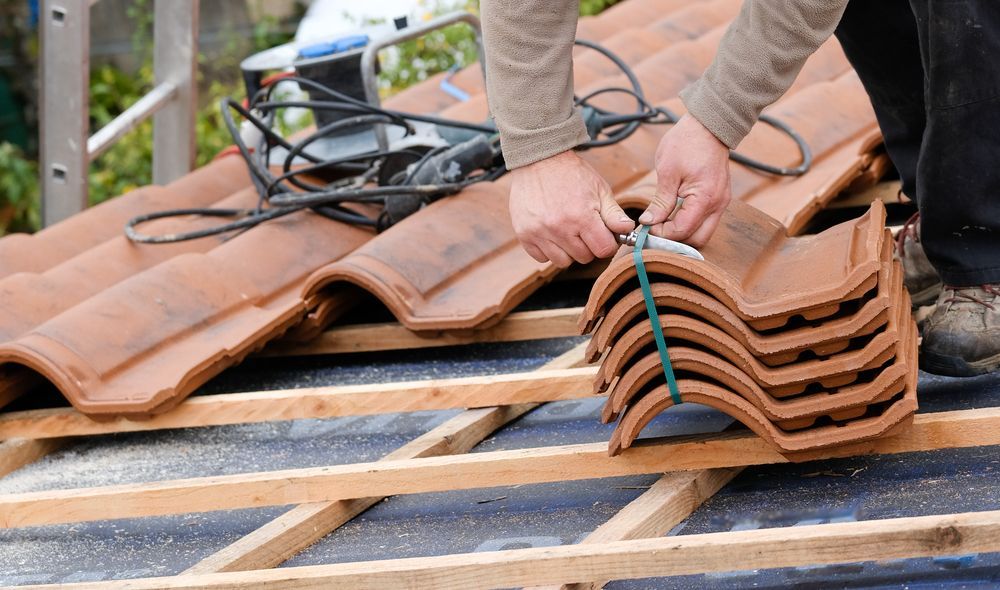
127 329
807 341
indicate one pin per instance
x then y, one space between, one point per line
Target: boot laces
963 294
910 229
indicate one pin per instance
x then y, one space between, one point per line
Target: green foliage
129 162
417 60
18 190
414 61
592 7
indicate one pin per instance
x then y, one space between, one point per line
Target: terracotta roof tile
788 414
64 240
859 381
780 381
456 265
774 348
626 14
881 419
183 321
761 274
25 298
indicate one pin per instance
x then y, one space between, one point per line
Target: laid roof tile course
627 14
25 300
183 321
62 241
184 314
458 265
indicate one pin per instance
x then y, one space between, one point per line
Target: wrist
704 132
560 159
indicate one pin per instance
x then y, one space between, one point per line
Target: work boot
919 277
962 336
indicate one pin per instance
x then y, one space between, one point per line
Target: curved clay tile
144 344
26 299
630 387
897 415
834 371
760 273
696 19
58 243
675 67
772 349
456 265
625 14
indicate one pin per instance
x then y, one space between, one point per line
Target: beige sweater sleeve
759 57
529 77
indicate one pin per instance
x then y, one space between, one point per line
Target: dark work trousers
932 70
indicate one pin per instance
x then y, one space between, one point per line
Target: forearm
529 77
759 57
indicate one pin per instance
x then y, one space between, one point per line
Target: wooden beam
290 533
886 191
16 453
667 503
318 402
524 325
280 539
941 430
824 544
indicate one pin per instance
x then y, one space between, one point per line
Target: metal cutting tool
658 243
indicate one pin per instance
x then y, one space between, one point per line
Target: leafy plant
414 61
417 60
18 190
592 7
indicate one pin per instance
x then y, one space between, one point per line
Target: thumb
663 202
614 216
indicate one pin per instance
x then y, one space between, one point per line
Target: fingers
534 251
554 253
614 218
600 241
663 203
688 220
562 211
695 221
565 249
577 249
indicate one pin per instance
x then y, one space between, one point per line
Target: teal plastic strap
654 318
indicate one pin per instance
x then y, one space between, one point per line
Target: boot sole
953 366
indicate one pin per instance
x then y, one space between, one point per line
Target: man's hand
562 210
693 164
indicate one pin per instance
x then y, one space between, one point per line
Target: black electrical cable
278 195
648 114
631 127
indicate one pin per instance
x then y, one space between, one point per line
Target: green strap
654 318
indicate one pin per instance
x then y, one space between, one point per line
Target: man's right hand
562 210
